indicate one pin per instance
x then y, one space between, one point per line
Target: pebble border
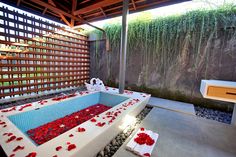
220 116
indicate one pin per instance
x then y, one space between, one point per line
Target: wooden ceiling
77 12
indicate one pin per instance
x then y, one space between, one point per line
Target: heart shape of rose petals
144 138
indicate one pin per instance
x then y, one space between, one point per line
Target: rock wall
171 73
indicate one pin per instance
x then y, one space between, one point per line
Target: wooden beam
44 11
103 12
32 5
74 6
134 4
39 2
18 3
97 5
95 17
60 14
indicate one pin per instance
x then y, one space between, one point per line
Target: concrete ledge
172 105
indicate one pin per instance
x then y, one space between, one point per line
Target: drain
110 149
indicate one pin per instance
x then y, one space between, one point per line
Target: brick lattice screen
37 55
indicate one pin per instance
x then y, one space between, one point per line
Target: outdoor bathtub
16 121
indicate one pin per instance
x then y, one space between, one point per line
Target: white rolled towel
89 87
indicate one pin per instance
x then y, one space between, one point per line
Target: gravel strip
116 143
212 114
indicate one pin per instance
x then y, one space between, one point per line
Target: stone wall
179 79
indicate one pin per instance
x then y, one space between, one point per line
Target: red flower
18 148
71 135
32 154
81 129
58 148
71 146
142 129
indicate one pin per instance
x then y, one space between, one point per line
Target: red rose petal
32 154
71 135
147 154
71 147
67 143
22 107
81 129
93 120
58 148
142 129
9 134
18 148
4 126
4 134
54 156
12 155
11 139
19 138
100 124
2 123
150 141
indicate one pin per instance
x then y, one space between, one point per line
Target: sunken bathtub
80 124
